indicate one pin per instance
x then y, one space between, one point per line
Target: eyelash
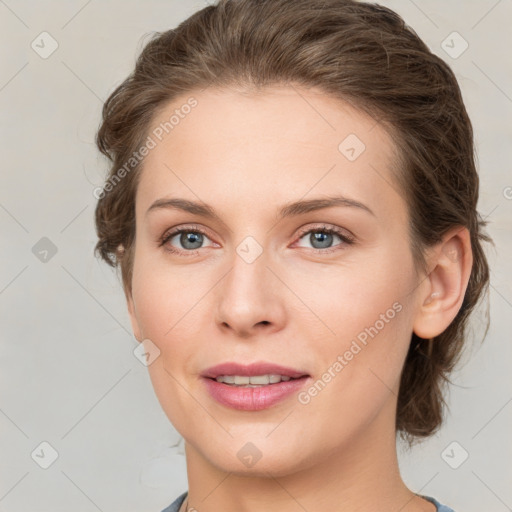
347 240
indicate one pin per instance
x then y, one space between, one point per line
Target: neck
361 475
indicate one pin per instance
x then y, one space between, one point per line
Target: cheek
358 371
344 300
164 301
163 296
366 320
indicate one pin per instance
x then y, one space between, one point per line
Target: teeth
255 380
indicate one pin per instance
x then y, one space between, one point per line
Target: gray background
68 373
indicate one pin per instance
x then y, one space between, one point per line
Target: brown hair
358 52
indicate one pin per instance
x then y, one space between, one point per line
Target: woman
292 204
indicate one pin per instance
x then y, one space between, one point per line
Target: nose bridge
246 281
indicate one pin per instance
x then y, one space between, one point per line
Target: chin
255 460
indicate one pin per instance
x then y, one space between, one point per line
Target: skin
246 154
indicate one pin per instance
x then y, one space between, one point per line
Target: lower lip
253 399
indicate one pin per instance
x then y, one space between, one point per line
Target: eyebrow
288 210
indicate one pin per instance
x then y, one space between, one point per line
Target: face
326 289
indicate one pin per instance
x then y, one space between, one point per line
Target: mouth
253 387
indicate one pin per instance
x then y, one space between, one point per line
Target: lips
243 397
257 368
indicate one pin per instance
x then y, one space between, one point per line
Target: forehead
278 143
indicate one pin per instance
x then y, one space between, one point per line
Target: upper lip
258 368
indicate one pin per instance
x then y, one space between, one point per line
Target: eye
321 238
190 239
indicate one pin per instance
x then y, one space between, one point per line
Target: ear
133 316
442 292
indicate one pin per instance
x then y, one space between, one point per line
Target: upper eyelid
327 227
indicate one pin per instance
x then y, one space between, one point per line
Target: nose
250 298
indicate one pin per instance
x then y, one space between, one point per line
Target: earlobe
442 292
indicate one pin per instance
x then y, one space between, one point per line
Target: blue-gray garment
176 504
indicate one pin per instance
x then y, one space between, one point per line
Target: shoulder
176 504
440 507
